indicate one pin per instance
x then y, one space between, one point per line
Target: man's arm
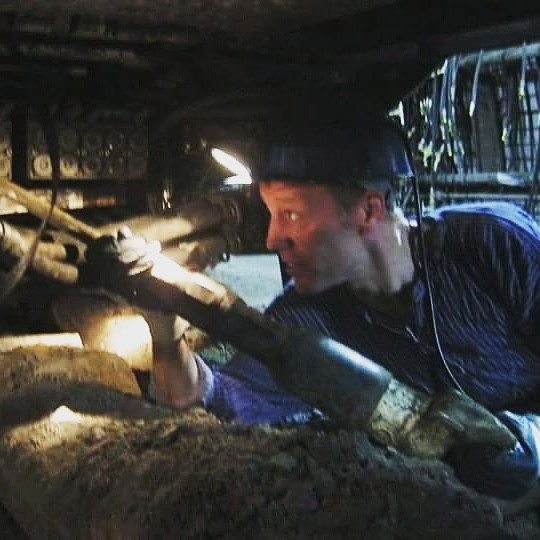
179 376
175 376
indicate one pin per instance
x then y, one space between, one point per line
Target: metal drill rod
40 207
341 382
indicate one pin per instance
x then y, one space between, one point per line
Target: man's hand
468 420
429 426
118 256
496 454
507 474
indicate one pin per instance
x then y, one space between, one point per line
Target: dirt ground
191 476
122 468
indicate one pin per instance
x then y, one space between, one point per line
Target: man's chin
305 286
316 286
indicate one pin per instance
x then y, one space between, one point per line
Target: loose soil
131 470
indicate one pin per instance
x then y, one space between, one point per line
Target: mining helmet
353 146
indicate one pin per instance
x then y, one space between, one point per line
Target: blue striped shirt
484 266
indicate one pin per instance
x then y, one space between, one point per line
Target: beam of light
237 180
63 339
168 271
61 427
241 174
64 414
127 336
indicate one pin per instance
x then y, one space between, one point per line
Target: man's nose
275 237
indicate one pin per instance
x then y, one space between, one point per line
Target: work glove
114 257
507 474
430 426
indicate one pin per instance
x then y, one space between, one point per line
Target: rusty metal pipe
195 217
205 251
341 382
40 207
13 247
51 250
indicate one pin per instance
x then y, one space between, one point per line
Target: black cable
533 194
434 128
476 80
452 120
511 127
14 276
443 112
521 127
434 123
472 109
530 204
530 120
425 272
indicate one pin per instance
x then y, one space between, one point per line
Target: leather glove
117 256
429 426
506 474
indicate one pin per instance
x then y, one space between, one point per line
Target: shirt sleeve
206 381
512 250
244 390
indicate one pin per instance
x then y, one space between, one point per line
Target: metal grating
474 127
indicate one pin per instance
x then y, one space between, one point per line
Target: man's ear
376 206
369 209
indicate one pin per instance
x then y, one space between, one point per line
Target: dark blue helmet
336 145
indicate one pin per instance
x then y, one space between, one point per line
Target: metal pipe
470 196
512 54
200 215
205 251
340 381
51 250
40 207
13 247
498 178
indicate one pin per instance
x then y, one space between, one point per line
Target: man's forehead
286 190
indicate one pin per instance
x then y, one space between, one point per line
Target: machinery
346 385
474 127
109 111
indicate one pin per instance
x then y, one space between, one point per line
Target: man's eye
291 215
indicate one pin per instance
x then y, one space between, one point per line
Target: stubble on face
385 259
336 256
376 262
301 243
328 247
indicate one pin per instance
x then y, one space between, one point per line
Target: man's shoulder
288 295
290 305
504 215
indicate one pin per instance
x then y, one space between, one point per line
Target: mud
121 467
191 476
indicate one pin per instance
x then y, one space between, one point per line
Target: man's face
316 240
